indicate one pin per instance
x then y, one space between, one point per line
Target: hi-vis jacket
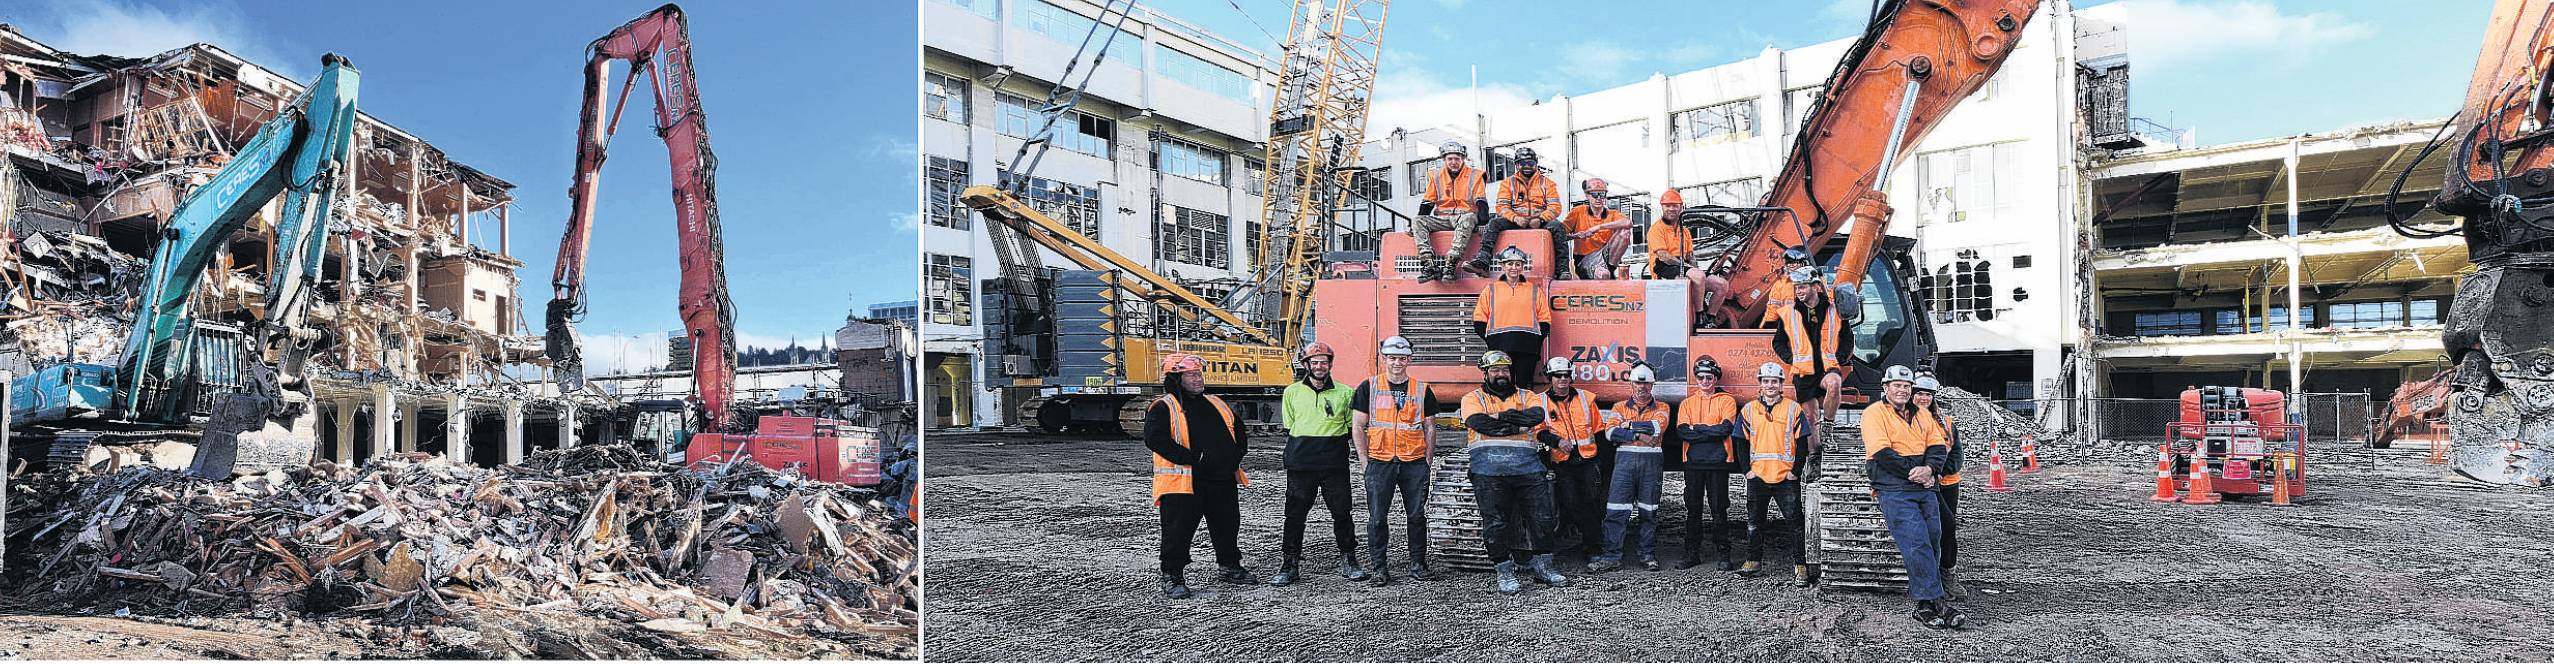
1893 444
1170 478
1704 423
1504 434
1455 193
1530 197
1773 436
1575 420
1513 306
1396 426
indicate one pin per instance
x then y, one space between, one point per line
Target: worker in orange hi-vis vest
1510 432
1455 198
1776 430
1814 340
1197 446
1578 485
1596 232
1513 315
1704 422
1528 201
1906 464
1939 429
1394 440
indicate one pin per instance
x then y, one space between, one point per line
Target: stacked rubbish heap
411 539
1980 421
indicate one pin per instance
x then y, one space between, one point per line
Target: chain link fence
2331 419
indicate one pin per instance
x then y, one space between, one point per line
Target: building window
2279 320
980 7
1370 185
1014 116
1018 117
1964 291
944 178
1419 173
1069 28
1742 192
1251 231
1621 141
944 96
948 284
1195 237
1190 160
480 295
1502 161
1073 205
2360 315
1197 73
1091 135
1796 104
1717 123
2425 312
1254 177
2167 323
1960 184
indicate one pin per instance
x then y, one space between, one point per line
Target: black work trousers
1515 507
1578 497
1332 487
1218 503
1410 479
1785 494
1950 547
1706 497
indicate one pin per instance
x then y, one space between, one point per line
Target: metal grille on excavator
1852 548
1440 328
1454 520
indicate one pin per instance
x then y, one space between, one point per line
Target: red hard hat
1671 197
1182 363
1314 348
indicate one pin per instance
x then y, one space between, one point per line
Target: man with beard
1316 415
1508 436
1814 338
1197 448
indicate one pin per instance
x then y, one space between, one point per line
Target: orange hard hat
1182 363
1314 348
1672 197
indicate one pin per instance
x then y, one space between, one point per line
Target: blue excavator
176 371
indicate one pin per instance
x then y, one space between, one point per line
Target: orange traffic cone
2279 466
2202 491
2164 475
2030 455
2438 450
1995 469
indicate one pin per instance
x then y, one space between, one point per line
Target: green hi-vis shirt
1318 413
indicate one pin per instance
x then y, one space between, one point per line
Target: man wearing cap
1316 411
1704 422
1197 446
1456 198
1508 435
1530 201
1393 436
1779 450
1906 467
1596 232
1638 427
1814 340
1513 314
1939 431
1578 490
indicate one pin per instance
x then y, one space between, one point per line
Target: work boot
1800 576
1420 572
1285 574
1382 571
1726 563
1951 615
1650 564
1508 584
1349 570
1751 568
1603 565
1927 614
1544 574
1689 562
1175 586
1239 576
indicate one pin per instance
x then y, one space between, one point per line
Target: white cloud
121 27
2169 33
617 353
1408 97
1595 61
905 222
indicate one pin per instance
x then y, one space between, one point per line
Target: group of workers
1544 461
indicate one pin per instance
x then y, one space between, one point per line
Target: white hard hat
1770 370
1395 345
1556 365
1641 373
1450 147
1927 383
1898 373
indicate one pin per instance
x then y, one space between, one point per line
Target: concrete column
384 431
456 429
346 411
513 431
567 424
408 440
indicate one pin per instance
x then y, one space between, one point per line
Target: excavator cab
1894 329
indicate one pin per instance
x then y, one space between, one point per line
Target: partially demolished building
420 311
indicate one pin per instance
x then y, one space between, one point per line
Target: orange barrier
2030 455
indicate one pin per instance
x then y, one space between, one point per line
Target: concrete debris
412 539
1981 421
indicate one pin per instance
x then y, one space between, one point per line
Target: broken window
1018 117
1796 103
1959 184
1091 135
1742 192
1070 204
944 96
1717 123
948 288
1963 290
1190 160
1195 237
1197 73
2167 323
943 178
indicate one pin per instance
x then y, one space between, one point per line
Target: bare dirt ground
1043 548
31 633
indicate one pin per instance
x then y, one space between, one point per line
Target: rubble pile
414 539
1981 421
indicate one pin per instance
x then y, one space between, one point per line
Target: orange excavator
659 45
2500 185
1912 64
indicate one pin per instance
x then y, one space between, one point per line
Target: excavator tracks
1852 547
1454 519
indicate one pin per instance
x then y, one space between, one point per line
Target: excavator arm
658 45
1913 63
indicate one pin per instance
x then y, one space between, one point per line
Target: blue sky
811 110
2231 70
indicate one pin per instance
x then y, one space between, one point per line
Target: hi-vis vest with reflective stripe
1574 420
1623 413
1707 410
1539 198
1771 444
1937 428
1803 362
1455 194
1396 426
1479 402
1883 429
1512 306
1170 478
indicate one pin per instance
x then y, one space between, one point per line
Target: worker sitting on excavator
1456 198
1906 467
1814 343
1596 232
1197 449
1530 201
1514 314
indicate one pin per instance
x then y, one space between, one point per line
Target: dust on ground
1043 548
